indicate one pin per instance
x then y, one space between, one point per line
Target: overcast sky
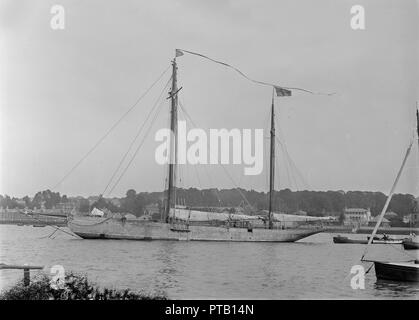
60 90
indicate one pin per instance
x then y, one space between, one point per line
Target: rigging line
138 149
197 176
48 236
222 165
252 80
217 193
52 233
205 168
293 165
287 169
234 183
212 183
381 216
136 137
299 174
110 130
286 157
402 251
58 228
291 169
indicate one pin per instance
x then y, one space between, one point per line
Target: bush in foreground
75 287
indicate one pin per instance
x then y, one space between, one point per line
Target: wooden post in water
26 277
26 271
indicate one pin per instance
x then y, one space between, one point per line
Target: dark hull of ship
410 245
396 272
110 228
347 240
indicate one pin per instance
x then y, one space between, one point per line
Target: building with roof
356 216
411 219
385 223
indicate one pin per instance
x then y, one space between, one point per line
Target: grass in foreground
75 287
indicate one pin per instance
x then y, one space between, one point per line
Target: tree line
315 203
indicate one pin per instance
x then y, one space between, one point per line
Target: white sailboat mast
381 216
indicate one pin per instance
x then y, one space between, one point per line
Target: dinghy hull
340 239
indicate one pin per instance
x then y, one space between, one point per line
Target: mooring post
26 277
26 271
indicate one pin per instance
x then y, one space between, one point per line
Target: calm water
313 268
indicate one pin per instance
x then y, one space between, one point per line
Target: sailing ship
176 224
395 270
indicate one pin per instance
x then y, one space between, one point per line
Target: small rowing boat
341 239
376 240
385 240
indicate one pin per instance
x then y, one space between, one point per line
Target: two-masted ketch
175 223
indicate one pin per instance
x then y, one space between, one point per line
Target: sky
61 90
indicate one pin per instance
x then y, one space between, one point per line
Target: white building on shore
357 216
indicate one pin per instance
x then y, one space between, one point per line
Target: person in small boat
385 237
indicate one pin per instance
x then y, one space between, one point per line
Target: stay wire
137 150
109 131
136 137
222 165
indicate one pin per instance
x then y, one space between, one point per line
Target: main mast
173 143
272 164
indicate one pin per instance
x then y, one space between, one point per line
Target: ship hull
110 228
410 245
397 271
340 239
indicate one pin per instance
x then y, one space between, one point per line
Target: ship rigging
181 223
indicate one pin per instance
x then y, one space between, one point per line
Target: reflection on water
168 269
392 289
313 268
